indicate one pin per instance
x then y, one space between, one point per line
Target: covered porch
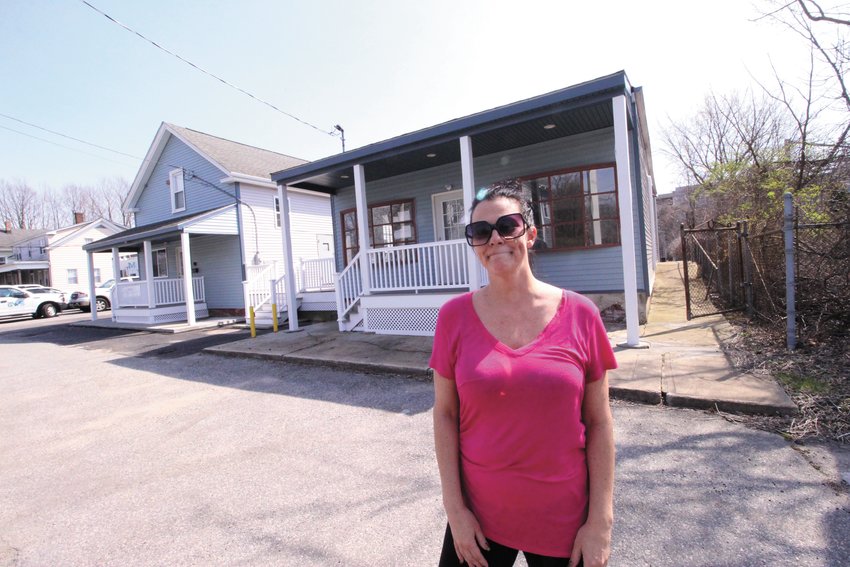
173 258
400 205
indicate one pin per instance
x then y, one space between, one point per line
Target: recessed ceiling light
548 126
344 176
431 155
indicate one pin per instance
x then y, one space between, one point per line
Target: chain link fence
797 276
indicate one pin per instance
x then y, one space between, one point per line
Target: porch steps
263 316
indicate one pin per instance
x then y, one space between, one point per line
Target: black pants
499 555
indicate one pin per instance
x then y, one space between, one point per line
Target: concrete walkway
683 365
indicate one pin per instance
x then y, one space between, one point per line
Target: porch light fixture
430 155
548 126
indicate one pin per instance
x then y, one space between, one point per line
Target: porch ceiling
572 111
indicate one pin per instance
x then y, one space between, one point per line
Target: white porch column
149 273
288 264
627 230
188 291
92 295
116 275
468 176
362 225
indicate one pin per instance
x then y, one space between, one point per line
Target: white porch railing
167 291
317 274
256 287
431 266
349 287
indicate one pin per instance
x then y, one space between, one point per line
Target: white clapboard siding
70 255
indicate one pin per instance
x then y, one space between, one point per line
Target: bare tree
19 204
108 197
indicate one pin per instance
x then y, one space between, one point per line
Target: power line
63 135
214 76
64 146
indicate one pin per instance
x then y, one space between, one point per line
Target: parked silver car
103 295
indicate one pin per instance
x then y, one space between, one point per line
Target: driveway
134 456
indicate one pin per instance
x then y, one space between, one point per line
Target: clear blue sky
378 68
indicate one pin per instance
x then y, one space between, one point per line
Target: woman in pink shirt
522 426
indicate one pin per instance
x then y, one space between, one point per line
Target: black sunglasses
509 227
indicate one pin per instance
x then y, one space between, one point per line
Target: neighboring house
15 270
399 206
56 258
208 237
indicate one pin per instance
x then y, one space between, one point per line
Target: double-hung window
390 224
178 193
575 208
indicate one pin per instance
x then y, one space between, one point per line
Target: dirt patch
816 376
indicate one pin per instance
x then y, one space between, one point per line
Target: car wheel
49 310
102 304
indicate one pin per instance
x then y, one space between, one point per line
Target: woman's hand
592 546
468 536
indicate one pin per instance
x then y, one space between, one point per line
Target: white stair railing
317 274
349 287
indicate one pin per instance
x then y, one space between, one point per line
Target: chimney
79 217
8 227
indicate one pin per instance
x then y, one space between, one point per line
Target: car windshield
107 283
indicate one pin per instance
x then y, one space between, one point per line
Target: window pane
610 232
566 184
546 234
381 215
382 236
350 239
403 231
601 206
350 221
568 210
569 235
599 180
179 200
403 212
539 188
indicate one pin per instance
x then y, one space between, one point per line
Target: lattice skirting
402 321
318 306
172 317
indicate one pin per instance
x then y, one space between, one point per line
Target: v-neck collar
499 345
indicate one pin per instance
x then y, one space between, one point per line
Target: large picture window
390 224
575 208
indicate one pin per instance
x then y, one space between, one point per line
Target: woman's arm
465 529
593 541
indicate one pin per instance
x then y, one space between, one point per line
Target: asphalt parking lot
128 448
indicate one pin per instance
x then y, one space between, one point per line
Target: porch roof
572 110
224 217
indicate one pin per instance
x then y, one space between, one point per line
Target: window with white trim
277 211
97 275
72 276
160 263
178 194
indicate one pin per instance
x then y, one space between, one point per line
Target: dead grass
816 376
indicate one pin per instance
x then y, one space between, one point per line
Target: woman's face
501 255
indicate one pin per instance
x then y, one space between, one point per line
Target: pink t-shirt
522 439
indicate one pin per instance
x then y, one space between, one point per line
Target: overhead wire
331 132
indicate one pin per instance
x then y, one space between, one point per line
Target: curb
680 401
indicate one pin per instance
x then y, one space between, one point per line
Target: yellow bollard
274 317
253 326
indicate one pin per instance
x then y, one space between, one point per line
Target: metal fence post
790 307
685 271
746 265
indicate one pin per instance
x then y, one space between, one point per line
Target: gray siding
583 270
154 203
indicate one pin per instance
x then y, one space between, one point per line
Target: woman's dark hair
507 189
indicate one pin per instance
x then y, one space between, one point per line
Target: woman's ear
532 236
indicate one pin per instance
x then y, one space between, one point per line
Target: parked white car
17 302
